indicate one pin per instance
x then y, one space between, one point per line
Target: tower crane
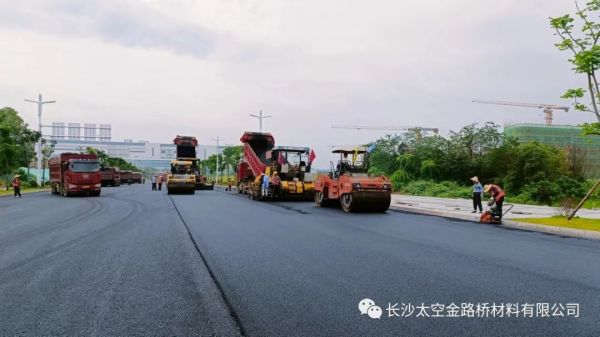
391 128
419 129
548 109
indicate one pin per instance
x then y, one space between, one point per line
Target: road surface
139 263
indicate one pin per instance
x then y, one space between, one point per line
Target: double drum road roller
350 184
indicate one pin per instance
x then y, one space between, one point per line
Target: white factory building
76 137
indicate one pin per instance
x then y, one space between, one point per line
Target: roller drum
366 201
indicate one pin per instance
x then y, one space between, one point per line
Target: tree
16 141
383 159
585 51
230 157
47 152
106 161
536 163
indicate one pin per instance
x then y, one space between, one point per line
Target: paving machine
186 151
181 179
288 163
291 165
350 184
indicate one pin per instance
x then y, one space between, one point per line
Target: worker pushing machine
494 215
497 196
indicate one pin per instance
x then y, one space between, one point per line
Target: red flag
311 156
280 159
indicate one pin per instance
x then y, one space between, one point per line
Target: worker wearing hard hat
497 195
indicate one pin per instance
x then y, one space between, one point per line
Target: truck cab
74 173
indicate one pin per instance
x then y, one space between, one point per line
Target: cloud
125 23
159 68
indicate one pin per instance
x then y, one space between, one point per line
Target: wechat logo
367 307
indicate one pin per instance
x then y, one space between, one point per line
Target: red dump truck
110 176
75 173
136 177
126 177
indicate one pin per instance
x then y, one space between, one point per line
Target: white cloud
158 68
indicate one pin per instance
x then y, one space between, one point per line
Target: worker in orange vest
16 183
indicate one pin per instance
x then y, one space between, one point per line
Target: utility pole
260 118
218 140
40 103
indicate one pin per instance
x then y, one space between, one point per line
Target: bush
399 179
31 183
444 189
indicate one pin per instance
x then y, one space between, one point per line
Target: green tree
383 158
231 156
47 152
106 161
535 163
16 141
581 42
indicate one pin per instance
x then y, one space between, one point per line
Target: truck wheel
347 202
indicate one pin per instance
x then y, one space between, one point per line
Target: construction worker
16 184
159 182
497 196
265 185
276 182
477 193
229 183
153 180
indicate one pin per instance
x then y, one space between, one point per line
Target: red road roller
350 184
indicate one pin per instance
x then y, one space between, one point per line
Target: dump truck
289 163
186 151
126 177
75 174
136 177
181 179
350 184
111 176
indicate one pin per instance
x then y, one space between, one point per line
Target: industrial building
75 137
563 136
142 154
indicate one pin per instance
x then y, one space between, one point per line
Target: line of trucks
265 172
81 174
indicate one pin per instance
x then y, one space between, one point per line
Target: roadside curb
562 231
28 192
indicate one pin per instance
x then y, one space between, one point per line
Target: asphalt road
125 264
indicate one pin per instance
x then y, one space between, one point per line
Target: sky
154 69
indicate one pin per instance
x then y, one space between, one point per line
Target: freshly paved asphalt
121 264
124 264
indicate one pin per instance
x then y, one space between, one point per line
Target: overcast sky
154 69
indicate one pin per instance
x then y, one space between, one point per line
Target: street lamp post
218 140
40 103
260 118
